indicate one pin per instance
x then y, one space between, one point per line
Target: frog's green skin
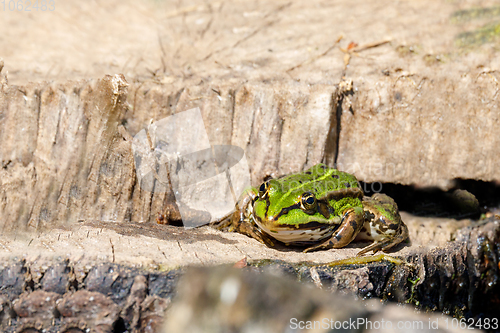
322 208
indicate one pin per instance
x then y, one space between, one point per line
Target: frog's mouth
307 233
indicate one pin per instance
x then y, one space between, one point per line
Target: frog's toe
314 248
255 233
388 243
375 247
379 246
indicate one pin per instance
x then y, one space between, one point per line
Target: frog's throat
290 235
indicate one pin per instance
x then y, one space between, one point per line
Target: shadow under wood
466 199
159 231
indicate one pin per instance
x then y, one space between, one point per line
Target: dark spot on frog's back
368 215
308 172
348 185
335 176
393 226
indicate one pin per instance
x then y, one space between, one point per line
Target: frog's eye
308 202
264 190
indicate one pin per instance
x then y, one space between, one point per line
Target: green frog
320 208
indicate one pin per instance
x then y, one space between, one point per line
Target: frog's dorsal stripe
353 192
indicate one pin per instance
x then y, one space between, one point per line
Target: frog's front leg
352 222
383 223
242 220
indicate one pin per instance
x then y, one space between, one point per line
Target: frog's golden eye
264 190
308 202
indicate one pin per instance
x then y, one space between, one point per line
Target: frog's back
331 185
320 180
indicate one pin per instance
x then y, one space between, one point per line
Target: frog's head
306 200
